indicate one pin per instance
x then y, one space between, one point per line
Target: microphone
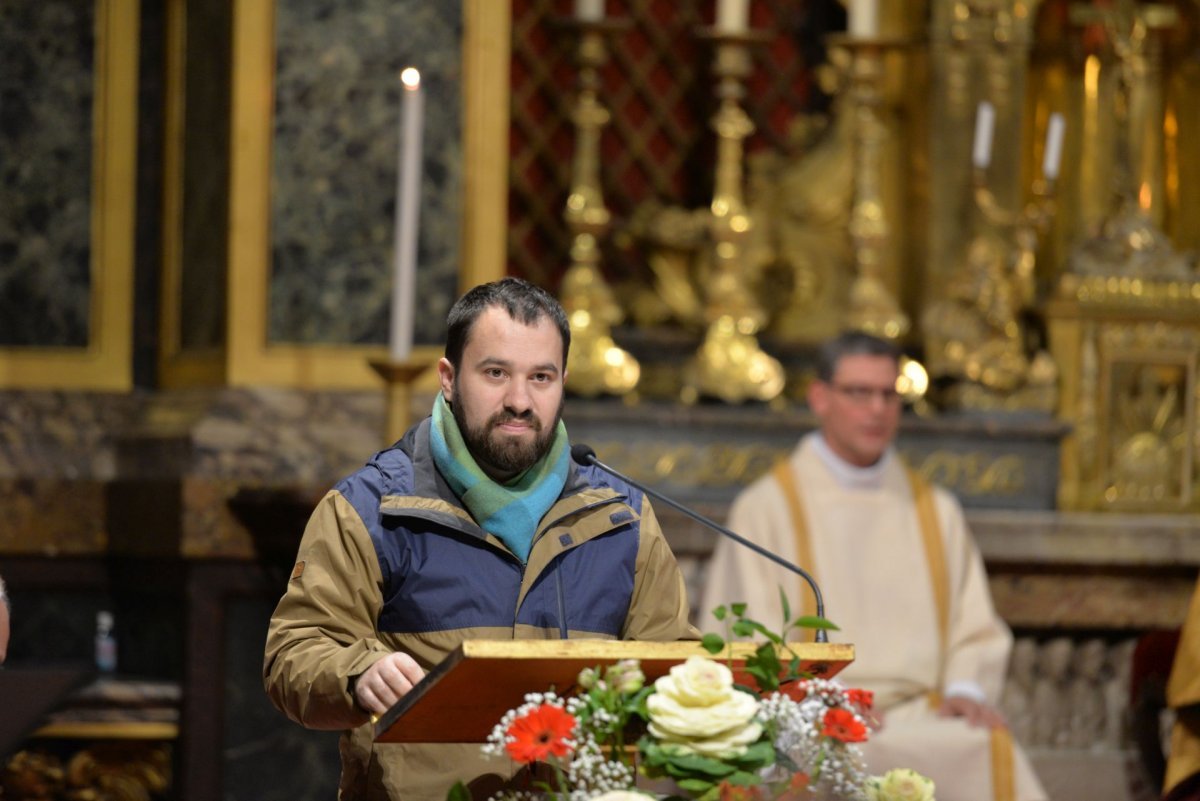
583 454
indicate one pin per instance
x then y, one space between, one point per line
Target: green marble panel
333 180
46 58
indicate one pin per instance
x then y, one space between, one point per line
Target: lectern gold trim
463 698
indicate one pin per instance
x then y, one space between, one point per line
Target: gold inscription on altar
724 465
711 465
973 472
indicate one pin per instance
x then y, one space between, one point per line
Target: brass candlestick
730 365
871 306
596 365
400 377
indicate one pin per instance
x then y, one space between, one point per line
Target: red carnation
840 724
540 733
736 792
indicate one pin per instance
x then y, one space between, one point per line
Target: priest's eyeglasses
861 395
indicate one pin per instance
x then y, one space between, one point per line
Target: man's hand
976 713
386 681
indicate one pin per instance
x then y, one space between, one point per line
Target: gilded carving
714 465
103 771
975 334
803 205
1149 388
974 472
1130 241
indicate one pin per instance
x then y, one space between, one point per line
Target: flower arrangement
703 735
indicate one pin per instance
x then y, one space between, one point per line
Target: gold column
730 364
595 365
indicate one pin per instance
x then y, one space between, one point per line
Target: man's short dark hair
852 343
524 303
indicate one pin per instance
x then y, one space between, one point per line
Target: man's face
859 409
507 394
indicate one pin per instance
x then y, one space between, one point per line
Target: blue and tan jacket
391 561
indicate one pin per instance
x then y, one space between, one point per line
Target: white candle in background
1054 144
864 19
589 10
408 202
733 16
985 124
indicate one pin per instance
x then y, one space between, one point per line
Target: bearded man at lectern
476 524
901 577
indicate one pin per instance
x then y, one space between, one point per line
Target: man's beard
507 454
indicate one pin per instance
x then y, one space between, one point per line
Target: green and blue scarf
509 511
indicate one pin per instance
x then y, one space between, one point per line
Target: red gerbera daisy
540 733
840 724
863 699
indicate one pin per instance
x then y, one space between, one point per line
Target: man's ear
818 397
446 378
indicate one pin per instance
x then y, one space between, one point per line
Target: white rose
900 784
621 795
697 708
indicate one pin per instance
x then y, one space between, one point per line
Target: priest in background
901 577
1183 695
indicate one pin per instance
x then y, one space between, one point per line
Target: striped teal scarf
509 511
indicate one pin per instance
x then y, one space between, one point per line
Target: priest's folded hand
976 713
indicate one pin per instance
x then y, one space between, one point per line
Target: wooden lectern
463 698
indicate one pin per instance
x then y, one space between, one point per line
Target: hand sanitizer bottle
106 644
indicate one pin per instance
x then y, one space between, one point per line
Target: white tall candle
589 10
408 203
1054 144
864 19
985 124
733 16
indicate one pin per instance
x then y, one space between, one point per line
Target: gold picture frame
248 358
106 363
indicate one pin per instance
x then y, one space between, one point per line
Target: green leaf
743 628
787 608
746 627
761 752
458 792
739 609
761 677
713 643
719 612
641 709
694 785
814 622
695 763
743 779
